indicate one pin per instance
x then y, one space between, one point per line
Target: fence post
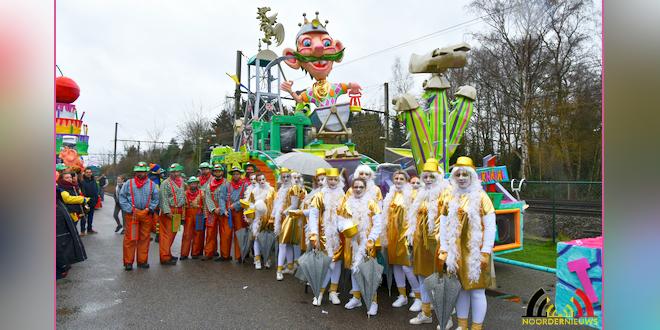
554 213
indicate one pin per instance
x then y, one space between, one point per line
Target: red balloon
66 90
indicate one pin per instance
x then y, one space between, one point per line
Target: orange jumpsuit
193 240
212 220
227 234
138 225
172 200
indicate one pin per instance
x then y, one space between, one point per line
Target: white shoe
287 271
402 300
373 310
416 306
334 298
420 319
279 276
268 264
353 303
315 302
450 324
411 295
257 264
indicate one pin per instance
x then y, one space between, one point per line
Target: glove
442 257
313 240
485 260
370 248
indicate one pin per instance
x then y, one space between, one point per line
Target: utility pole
138 148
114 154
237 93
387 112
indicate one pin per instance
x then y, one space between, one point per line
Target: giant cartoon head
315 50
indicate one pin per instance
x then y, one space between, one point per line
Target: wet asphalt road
194 294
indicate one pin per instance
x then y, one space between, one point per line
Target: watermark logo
541 311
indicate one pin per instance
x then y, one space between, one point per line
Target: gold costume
397 242
364 229
463 238
317 202
290 231
425 244
266 221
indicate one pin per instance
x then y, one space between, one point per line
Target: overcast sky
145 63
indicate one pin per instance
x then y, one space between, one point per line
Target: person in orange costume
213 206
138 200
172 201
235 192
193 229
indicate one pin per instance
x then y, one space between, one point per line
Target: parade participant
395 206
235 192
467 236
172 202
287 227
117 210
155 176
360 222
214 204
422 229
192 243
323 232
205 175
297 179
317 183
71 196
138 199
316 53
250 169
415 183
262 198
365 173
90 189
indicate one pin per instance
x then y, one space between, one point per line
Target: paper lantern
66 90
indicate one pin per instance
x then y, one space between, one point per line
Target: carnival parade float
71 133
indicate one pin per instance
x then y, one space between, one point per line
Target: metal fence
561 197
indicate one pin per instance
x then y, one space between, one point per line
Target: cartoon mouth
320 64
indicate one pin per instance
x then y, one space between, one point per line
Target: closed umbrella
444 290
302 162
313 266
243 238
368 278
266 241
388 269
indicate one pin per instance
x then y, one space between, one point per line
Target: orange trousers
238 223
211 239
193 241
141 245
166 236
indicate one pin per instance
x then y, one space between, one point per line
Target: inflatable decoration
316 52
436 128
71 159
66 90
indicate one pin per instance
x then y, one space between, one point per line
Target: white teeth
323 62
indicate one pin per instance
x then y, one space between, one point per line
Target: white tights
400 275
286 251
257 250
475 298
426 297
333 273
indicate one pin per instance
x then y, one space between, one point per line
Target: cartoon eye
327 43
307 42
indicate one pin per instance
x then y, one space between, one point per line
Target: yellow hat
431 165
249 213
350 231
464 161
320 171
284 170
244 203
332 172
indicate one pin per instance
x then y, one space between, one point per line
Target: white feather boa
474 195
429 194
278 206
359 208
260 194
406 189
331 199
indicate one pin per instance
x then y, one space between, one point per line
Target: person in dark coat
69 248
90 189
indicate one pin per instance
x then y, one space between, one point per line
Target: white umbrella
302 162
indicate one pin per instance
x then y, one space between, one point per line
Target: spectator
69 249
89 189
120 225
103 182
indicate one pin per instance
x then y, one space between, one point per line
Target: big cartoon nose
317 50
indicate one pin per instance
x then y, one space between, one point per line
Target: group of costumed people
427 225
